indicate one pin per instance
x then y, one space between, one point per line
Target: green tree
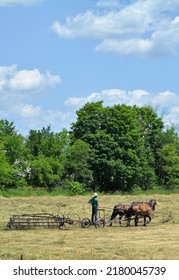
13 142
117 145
168 157
151 130
44 172
169 162
46 160
14 152
6 170
77 166
47 143
133 156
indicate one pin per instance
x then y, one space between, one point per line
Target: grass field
159 240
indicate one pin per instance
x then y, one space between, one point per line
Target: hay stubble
159 240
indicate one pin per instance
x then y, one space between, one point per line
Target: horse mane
149 202
117 205
137 202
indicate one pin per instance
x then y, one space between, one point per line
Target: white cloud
111 97
27 117
13 80
19 85
165 99
137 27
32 80
7 70
120 23
22 2
2 83
172 116
26 111
163 102
136 97
139 47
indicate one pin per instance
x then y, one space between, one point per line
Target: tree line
118 148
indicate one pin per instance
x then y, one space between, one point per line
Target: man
94 202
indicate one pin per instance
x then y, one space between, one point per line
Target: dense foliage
119 148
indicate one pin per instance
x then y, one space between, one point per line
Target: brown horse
121 210
138 210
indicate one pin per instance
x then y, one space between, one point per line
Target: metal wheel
85 223
58 214
100 222
73 218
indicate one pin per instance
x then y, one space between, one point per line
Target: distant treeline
119 148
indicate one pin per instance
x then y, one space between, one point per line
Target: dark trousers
94 216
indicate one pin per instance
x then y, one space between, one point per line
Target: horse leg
113 216
136 220
128 221
144 221
120 217
149 219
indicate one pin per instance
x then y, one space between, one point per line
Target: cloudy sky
57 55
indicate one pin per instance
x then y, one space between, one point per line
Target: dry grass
159 240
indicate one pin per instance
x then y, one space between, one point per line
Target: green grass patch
38 192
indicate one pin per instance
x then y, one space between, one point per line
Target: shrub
75 187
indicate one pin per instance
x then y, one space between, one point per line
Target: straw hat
95 194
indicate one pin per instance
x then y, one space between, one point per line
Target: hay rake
38 221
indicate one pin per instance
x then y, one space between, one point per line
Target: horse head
152 203
120 209
116 211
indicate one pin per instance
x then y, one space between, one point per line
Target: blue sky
57 55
